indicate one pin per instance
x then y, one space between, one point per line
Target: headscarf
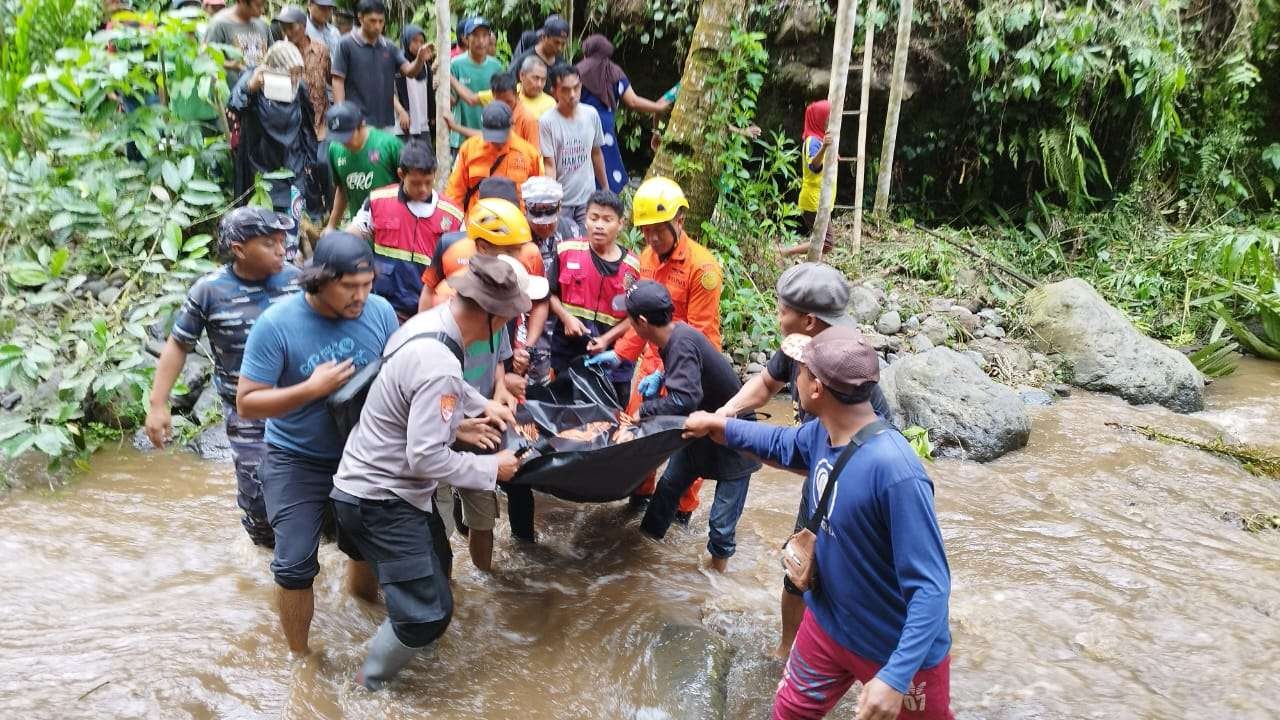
600 74
815 119
406 38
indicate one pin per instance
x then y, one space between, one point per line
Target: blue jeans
731 498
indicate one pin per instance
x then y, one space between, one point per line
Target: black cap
343 253
495 123
555 26
647 297
497 186
343 119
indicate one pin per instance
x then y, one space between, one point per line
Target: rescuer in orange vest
693 277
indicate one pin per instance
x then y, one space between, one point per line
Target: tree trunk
860 178
442 94
895 104
687 129
846 19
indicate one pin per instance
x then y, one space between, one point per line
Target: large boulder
1105 352
690 664
968 414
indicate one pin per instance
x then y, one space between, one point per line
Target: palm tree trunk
846 19
896 83
684 145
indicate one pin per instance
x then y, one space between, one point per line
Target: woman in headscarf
604 87
415 95
813 146
277 127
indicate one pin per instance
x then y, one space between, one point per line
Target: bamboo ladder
840 68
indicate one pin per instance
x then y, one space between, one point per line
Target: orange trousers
649 363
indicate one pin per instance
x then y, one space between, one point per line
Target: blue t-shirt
226 307
286 345
884 583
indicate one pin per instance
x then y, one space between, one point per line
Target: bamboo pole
896 83
443 158
845 21
860 174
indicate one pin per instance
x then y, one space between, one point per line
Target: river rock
109 295
976 358
889 323
921 343
690 665
93 287
992 316
212 443
937 329
965 317
141 442
754 368
1105 352
1034 396
941 304
993 331
968 414
864 306
912 324
1013 358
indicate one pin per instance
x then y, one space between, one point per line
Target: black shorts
408 552
296 490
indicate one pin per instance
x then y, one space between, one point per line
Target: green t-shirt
373 166
476 79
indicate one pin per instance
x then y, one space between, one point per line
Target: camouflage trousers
248 447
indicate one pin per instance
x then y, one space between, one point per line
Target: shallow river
1092 578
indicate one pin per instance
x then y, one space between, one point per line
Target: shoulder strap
866 433
440 337
472 190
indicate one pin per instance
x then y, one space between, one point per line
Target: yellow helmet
497 221
657 200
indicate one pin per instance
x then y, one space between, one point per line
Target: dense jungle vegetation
1135 144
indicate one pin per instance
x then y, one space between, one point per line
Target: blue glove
650 385
608 358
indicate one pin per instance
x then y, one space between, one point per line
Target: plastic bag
577 384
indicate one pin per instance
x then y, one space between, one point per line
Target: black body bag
345 404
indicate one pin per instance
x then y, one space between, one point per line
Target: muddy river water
1092 578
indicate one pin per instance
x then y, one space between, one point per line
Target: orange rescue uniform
477 160
693 277
452 259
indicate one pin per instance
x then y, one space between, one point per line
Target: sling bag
798 553
345 404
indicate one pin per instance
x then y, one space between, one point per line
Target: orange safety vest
584 292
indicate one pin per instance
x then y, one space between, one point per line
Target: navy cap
343 120
495 122
476 23
497 186
245 223
555 26
343 253
646 297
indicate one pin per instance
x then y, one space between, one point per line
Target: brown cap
839 357
493 285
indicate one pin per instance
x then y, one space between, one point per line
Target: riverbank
1075 562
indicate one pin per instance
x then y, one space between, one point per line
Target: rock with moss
968 414
1102 351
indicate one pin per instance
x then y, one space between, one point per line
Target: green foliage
754 212
1055 79
1219 357
82 209
919 439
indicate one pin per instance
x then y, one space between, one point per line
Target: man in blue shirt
225 304
877 612
299 352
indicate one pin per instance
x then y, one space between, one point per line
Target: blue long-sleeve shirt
883 582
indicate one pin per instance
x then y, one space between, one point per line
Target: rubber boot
387 657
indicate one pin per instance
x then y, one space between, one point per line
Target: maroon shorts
819 672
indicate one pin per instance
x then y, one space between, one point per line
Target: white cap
535 286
